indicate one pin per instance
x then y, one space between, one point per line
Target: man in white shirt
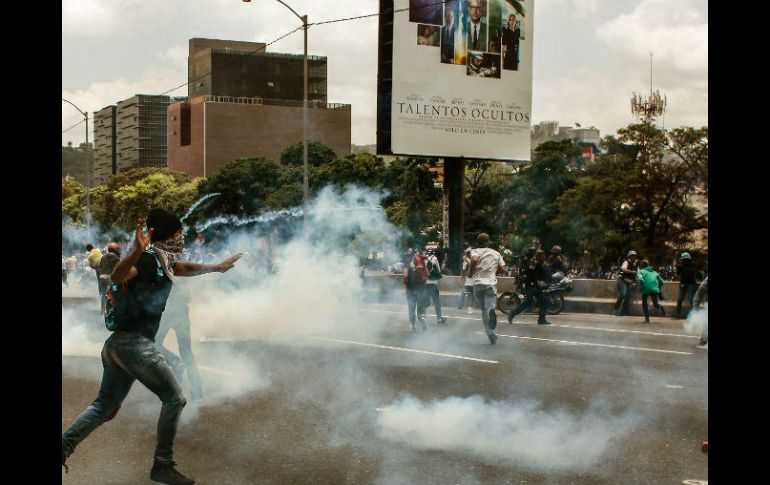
486 264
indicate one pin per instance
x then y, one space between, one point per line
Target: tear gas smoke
500 431
197 204
697 320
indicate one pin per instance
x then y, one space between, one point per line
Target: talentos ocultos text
462 112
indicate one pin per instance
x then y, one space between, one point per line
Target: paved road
591 399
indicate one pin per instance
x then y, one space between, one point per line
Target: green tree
317 154
244 184
639 194
363 169
74 161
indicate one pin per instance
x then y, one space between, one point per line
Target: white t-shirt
485 272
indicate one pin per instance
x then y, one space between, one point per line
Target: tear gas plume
500 431
77 335
697 320
197 204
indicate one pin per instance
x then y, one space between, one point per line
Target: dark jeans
654 303
417 299
126 357
625 294
433 295
179 320
532 292
685 290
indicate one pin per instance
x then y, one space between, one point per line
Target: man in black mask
130 353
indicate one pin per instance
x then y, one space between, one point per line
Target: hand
141 239
228 263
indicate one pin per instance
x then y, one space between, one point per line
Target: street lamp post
305 187
88 169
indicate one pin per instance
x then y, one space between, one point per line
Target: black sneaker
510 318
166 473
492 319
492 338
64 459
441 321
543 322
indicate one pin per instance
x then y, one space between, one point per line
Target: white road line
582 327
672 386
629 331
218 371
403 349
592 344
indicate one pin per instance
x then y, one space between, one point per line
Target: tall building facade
208 132
246 70
131 134
587 139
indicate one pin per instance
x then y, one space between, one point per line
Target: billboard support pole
454 181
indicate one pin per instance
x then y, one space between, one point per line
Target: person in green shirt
650 284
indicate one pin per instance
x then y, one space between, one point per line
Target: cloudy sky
589 55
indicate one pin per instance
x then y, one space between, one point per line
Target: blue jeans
467 290
433 295
126 357
417 299
179 320
486 298
685 290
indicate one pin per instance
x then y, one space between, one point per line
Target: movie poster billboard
462 78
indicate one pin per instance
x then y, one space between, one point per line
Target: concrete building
208 132
246 70
586 138
130 134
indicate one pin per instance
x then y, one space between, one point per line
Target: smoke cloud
499 431
697 320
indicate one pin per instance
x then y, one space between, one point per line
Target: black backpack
119 303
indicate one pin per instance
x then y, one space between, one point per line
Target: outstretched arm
195 269
125 269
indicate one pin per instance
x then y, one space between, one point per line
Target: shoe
703 347
492 338
422 324
510 319
166 473
543 322
414 327
492 319
646 320
64 459
662 312
441 321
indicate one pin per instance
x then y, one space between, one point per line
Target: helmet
556 249
631 253
685 255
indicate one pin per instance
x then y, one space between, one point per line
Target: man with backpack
486 264
145 276
431 286
415 276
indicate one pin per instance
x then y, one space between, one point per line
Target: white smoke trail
499 431
697 320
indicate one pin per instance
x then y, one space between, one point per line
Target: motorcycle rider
688 284
536 277
626 283
557 262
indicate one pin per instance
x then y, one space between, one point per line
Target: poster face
462 78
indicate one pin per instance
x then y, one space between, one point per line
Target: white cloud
675 32
95 18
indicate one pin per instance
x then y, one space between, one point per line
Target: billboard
455 78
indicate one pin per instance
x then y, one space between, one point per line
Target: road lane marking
672 386
403 349
555 325
569 342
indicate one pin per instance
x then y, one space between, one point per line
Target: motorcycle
554 294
